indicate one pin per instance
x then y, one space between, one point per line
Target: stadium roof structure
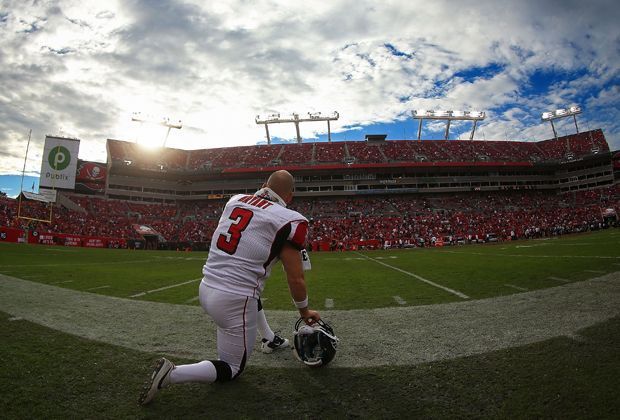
36 197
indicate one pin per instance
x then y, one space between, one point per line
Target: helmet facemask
314 345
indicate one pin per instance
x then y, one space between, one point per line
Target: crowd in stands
329 152
297 153
567 147
467 217
406 220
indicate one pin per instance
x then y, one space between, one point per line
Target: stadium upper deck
354 153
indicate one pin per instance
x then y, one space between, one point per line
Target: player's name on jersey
256 201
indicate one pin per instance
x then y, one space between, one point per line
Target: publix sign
59 162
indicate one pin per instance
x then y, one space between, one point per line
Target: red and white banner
91 172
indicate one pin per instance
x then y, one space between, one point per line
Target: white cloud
83 67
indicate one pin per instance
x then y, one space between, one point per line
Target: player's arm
291 260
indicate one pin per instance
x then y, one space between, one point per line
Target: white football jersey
248 241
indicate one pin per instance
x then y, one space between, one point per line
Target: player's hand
310 317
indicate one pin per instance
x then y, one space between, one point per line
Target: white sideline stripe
329 303
100 287
72 264
399 300
559 279
454 292
164 288
523 289
61 282
194 299
595 271
529 256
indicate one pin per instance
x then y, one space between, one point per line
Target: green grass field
57 375
351 280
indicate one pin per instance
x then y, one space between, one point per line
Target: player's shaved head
282 183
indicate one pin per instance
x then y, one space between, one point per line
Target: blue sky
82 68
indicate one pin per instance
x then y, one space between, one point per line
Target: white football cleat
160 378
278 342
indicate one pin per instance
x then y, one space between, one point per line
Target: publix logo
59 158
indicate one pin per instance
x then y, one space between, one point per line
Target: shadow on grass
54 375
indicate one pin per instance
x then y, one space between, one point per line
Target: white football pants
235 317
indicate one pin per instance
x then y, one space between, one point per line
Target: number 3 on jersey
241 219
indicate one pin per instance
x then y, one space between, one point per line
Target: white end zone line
454 292
164 288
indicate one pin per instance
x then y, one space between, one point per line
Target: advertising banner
59 162
8 234
91 172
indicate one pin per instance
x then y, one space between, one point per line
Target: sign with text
59 162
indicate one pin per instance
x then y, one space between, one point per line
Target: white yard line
439 286
512 286
164 288
99 287
61 282
530 256
329 303
192 300
558 279
399 300
595 271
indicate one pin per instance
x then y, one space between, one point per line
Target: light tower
295 119
561 113
138 117
423 114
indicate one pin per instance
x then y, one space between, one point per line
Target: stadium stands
365 153
297 153
407 220
307 154
329 152
404 219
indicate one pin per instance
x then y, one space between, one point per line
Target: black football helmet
314 345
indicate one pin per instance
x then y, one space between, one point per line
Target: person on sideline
253 233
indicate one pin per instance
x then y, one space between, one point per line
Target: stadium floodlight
449 115
571 111
295 119
138 117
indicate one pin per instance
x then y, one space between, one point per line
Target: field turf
351 280
50 374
